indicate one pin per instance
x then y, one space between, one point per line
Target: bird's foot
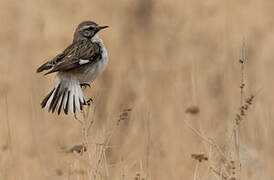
88 102
85 85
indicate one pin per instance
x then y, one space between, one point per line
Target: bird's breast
92 70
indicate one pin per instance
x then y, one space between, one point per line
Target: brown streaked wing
49 64
83 49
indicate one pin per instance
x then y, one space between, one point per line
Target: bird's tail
67 94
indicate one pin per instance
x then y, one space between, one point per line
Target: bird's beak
102 27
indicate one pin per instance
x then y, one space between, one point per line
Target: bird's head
87 29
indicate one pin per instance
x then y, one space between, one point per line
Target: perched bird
77 66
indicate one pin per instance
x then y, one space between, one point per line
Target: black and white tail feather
67 94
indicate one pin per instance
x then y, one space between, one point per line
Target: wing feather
75 55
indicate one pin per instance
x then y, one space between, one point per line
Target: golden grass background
164 57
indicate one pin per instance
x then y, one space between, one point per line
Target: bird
77 66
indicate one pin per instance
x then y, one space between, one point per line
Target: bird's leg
85 85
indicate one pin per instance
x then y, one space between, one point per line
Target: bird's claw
85 85
89 101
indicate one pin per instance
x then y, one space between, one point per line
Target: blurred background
164 57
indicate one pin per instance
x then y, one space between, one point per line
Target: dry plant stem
86 125
106 166
102 155
75 166
229 165
80 121
142 170
148 142
242 62
9 129
125 169
123 174
206 176
210 142
236 130
99 161
218 173
98 156
196 172
207 140
69 172
193 82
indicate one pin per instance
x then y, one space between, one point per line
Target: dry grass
225 163
168 59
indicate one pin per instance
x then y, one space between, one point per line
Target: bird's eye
90 28
86 33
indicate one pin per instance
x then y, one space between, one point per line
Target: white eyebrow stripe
87 26
82 61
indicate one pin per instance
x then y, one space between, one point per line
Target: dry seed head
124 115
199 157
242 112
244 109
80 149
193 110
137 176
241 61
242 85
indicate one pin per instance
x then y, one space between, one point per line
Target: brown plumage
79 63
70 58
81 48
